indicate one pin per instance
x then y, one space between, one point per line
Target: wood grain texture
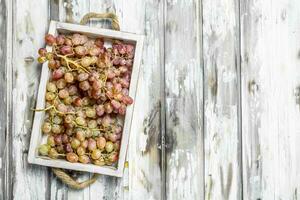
184 100
26 30
221 84
270 40
3 96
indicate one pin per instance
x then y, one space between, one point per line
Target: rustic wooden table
217 111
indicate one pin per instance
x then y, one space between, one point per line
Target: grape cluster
86 98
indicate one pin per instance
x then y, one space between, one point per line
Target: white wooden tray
37 137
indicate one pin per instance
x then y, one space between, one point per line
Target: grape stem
73 63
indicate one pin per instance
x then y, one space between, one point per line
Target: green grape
56 128
50 96
50 141
84 159
75 143
90 112
96 154
68 100
80 151
41 59
44 149
109 146
80 121
57 119
99 162
92 124
53 153
46 128
68 119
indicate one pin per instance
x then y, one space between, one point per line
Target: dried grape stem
72 62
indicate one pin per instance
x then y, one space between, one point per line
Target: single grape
127 100
110 74
68 119
44 149
80 151
76 39
42 52
125 92
53 153
50 96
129 63
117 145
57 119
51 87
68 42
63 93
58 139
51 141
41 59
80 135
72 157
100 110
52 64
99 42
117 87
113 157
72 90
84 144
60 149
85 101
122 109
101 142
80 51
50 39
99 162
46 128
69 77
75 143
80 121
86 61
92 124
94 51
57 74
116 61
80 113
122 62
68 148
115 104
90 112
107 120
96 153
109 85
49 56
84 159
65 138
62 108
68 100
82 76
91 144
84 85
65 50
113 137
109 146
108 108
123 69
60 39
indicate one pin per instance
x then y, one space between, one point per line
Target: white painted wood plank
4 44
28 27
221 71
270 43
184 100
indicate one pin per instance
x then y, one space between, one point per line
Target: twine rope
61 174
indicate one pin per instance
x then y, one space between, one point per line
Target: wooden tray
37 137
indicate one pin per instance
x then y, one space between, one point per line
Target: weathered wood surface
220 78
270 42
184 101
221 99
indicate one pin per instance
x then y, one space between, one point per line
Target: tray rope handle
112 16
60 173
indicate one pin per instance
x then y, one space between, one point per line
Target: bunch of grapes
86 98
